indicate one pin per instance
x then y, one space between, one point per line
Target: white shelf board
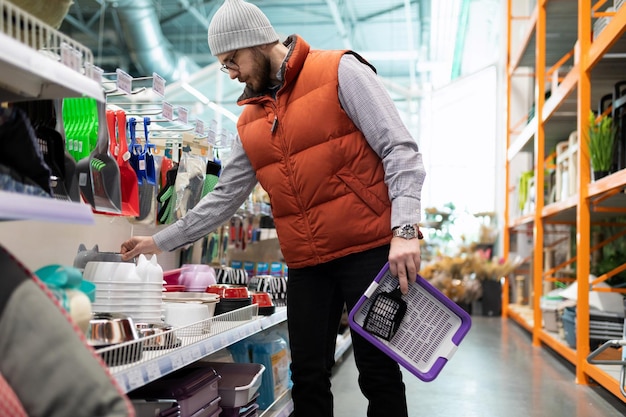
28 74
133 376
15 206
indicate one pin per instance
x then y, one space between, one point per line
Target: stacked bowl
134 290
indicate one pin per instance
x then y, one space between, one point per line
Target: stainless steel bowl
157 335
111 328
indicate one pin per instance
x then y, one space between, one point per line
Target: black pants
315 300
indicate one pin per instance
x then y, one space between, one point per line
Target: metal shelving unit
41 63
558 37
135 366
196 342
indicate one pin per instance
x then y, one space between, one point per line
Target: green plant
524 188
600 139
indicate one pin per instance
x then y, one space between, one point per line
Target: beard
260 81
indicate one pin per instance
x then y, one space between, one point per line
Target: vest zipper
274 125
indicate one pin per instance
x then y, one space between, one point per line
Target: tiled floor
495 373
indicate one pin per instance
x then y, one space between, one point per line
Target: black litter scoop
385 314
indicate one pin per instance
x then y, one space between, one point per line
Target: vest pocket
377 205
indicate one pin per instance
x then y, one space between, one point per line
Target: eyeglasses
230 64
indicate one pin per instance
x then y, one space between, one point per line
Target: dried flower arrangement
460 277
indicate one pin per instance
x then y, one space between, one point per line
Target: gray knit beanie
237 25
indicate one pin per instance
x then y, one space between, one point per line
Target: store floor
495 373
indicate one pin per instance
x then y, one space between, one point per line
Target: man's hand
137 245
404 260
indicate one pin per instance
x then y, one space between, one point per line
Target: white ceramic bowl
185 314
115 285
111 271
134 301
122 292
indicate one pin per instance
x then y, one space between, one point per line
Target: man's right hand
137 245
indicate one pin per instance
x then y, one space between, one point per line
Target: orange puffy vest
324 181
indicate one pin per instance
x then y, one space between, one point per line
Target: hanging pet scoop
385 314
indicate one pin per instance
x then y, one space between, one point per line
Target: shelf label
153 370
158 84
77 60
124 81
135 379
187 358
177 360
183 114
168 111
199 127
66 55
196 353
93 72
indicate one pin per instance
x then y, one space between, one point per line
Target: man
323 138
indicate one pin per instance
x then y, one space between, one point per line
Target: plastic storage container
239 382
603 326
245 410
271 350
550 311
194 389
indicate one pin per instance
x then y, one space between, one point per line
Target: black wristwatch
407 231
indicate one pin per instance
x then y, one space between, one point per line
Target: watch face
408 231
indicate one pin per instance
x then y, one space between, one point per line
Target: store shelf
592 72
561 18
28 75
522 315
14 206
225 330
558 345
41 62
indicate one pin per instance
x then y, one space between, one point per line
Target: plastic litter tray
431 330
239 382
194 389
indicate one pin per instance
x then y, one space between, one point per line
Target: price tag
153 370
215 346
177 360
187 358
199 127
77 60
122 382
168 111
158 84
135 379
124 81
94 72
66 55
183 114
196 353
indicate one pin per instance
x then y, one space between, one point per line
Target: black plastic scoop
385 314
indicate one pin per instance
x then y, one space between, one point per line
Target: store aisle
495 373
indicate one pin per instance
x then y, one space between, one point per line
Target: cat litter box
420 330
